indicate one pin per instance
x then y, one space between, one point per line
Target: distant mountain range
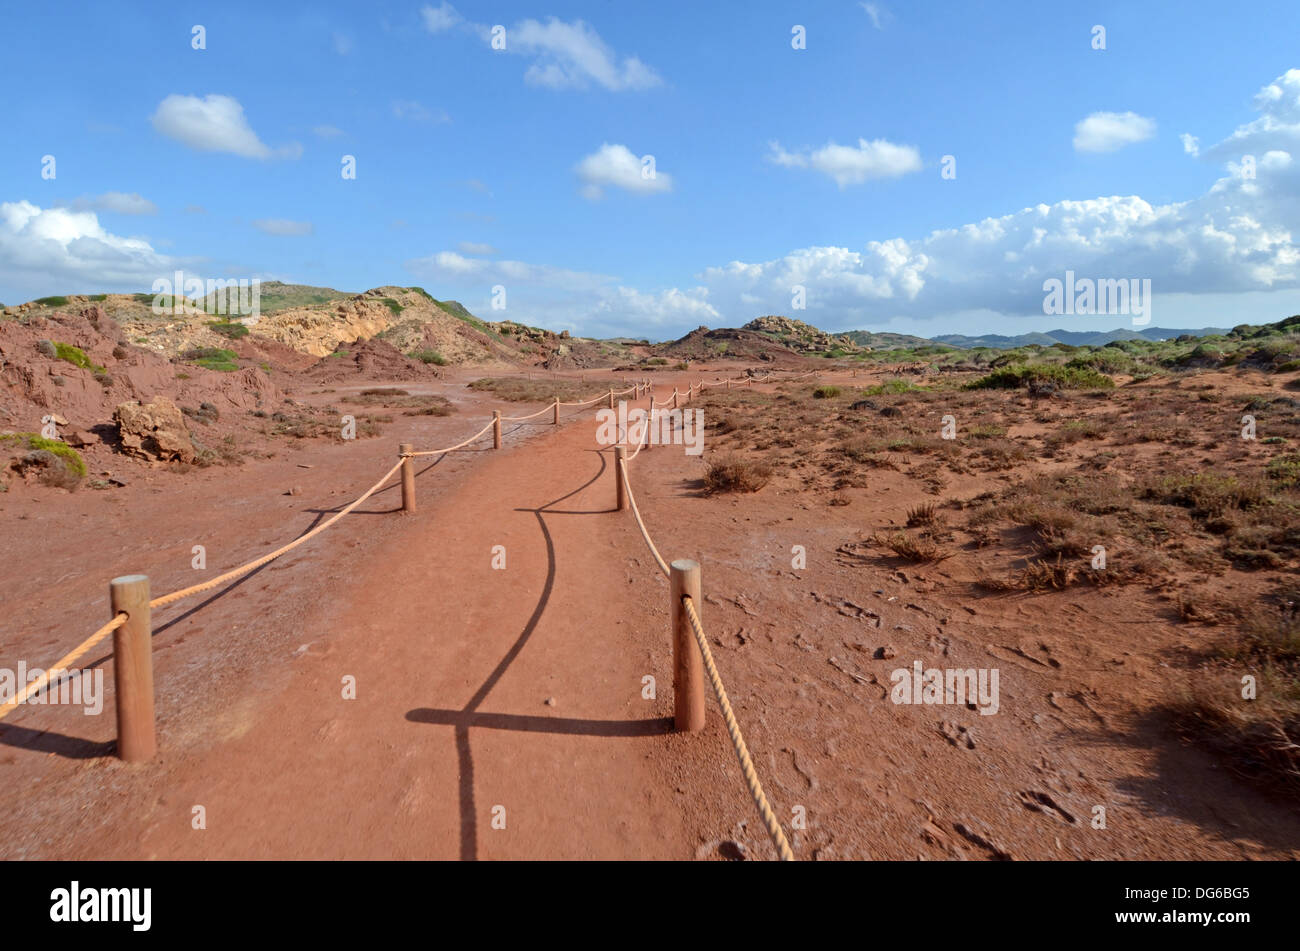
1074 338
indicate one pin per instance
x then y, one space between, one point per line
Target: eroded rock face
155 431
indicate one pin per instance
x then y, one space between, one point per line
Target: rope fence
688 697
131 623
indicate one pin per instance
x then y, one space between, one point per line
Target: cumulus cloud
117 202
1276 129
1109 131
615 166
1191 144
1235 238
849 165
629 312
214 124
474 247
57 250
572 55
283 227
593 303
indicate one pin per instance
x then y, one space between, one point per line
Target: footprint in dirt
959 736
1042 802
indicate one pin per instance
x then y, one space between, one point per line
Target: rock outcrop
155 431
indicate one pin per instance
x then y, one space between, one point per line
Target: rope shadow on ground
462 720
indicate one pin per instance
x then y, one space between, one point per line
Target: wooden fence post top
128 579
685 564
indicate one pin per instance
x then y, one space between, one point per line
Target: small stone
549 701
296 490
888 652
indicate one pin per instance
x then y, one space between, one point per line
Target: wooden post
556 420
496 429
620 456
728 382
611 397
688 665
674 397
133 668
408 479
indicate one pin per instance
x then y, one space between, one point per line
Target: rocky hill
317 321
802 337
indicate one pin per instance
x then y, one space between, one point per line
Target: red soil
455 662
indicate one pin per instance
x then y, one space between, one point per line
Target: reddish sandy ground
483 693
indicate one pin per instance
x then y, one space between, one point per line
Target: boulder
155 431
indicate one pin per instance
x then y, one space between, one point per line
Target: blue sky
775 167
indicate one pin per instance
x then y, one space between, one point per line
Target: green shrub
1067 377
231 329
98 298
71 459
826 392
391 304
428 356
213 358
76 356
891 387
1285 469
51 301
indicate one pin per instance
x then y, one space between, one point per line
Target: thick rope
636 512
245 569
603 396
62 663
520 419
737 740
459 445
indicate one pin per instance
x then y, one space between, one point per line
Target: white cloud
451 267
628 312
412 111
118 202
474 247
615 166
1191 144
440 18
572 55
58 250
283 227
876 12
1277 128
848 165
1235 238
558 298
214 124
1109 131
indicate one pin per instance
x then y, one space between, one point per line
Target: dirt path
515 694
478 690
